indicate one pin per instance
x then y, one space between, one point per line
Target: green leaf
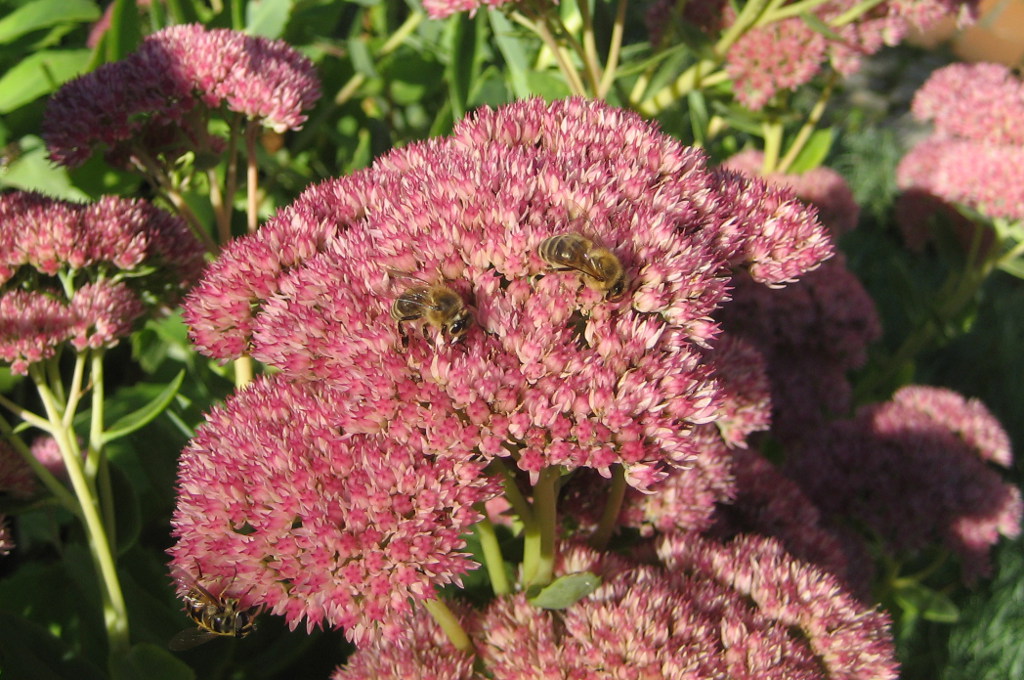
548 84
698 108
362 60
27 650
140 417
146 661
814 152
459 72
816 24
127 515
514 51
918 599
268 17
43 14
566 591
1013 267
38 74
124 33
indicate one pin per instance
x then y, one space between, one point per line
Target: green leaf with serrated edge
566 591
146 661
267 17
39 74
139 418
43 14
514 51
814 152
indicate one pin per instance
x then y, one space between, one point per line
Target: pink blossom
550 372
6 542
32 326
778 56
316 522
111 256
439 9
846 638
914 471
743 610
978 102
147 105
823 187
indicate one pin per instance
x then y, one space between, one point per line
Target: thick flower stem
252 177
449 624
243 371
614 50
115 612
805 132
493 559
539 536
541 29
609 518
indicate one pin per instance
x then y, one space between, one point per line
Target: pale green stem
777 13
58 490
411 23
221 211
573 78
74 391
805 132
449 624
231 172
614 50
26 415
691 79
589 52
493 559
243 371
54 379
97 456
252 177
772 132
748 16
115 613
612 507
179 203
539 536
855 12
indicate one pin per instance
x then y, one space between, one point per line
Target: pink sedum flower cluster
742 610
84 273
316 523
975 155
915 471
152 102
550 373
786 53
439 9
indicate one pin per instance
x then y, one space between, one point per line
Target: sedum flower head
743 610
976 154
551 371
317 523
150 103
914 470
84 273
439 9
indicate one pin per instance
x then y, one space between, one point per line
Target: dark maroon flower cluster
811 334
149 103
915 471
84 273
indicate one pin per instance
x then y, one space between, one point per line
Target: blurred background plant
813 95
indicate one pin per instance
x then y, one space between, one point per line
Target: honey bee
214 616
438 305
600 267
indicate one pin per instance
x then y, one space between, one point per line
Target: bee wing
408 276
189 638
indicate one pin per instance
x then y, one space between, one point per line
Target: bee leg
403 336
